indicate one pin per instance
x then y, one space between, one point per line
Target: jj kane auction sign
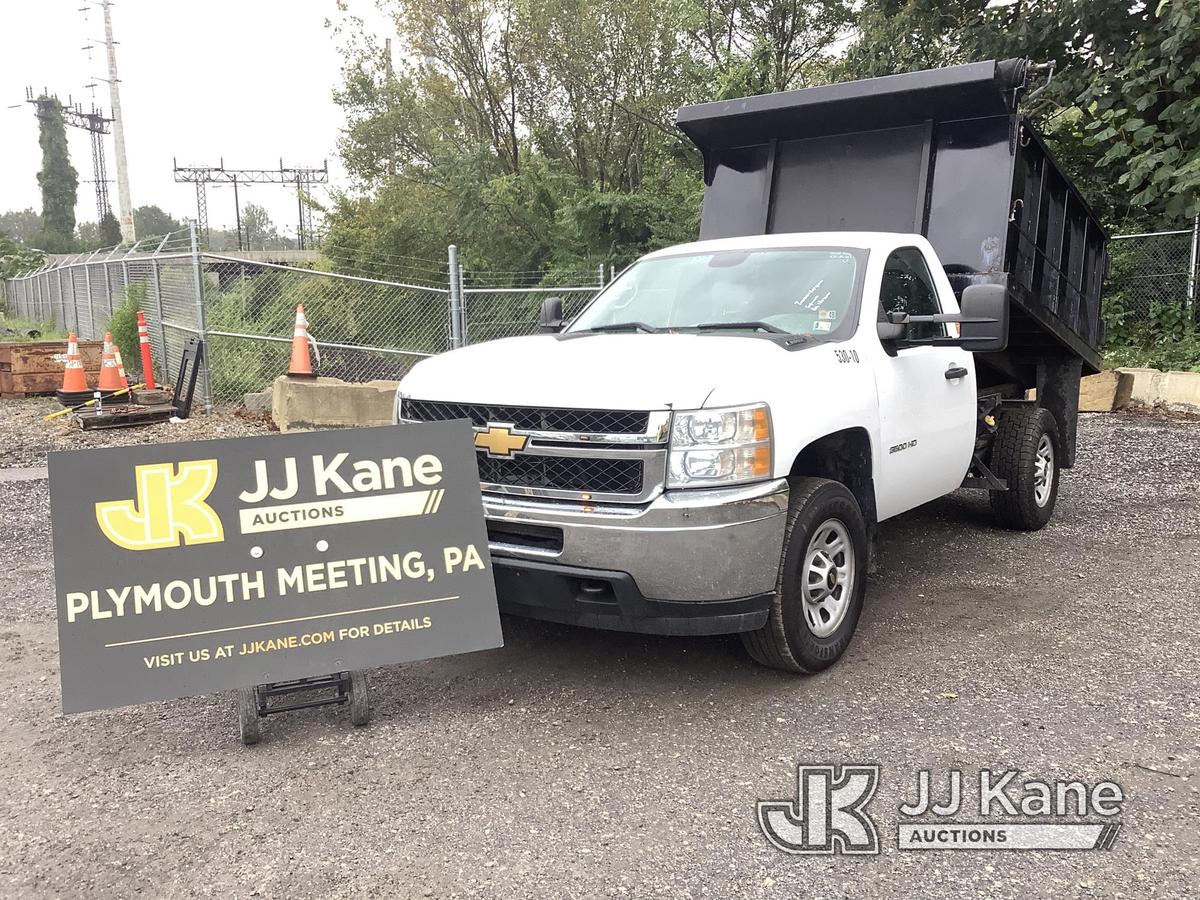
193 567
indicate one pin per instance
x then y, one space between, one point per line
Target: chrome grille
590 455
530 418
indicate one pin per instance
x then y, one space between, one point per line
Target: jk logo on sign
169 506
828 815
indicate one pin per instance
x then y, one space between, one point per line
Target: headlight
720 446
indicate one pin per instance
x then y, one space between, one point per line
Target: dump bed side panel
1057 250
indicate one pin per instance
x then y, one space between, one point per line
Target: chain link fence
364 328
1154 270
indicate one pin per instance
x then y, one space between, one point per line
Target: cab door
926 394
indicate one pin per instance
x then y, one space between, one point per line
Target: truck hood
601 371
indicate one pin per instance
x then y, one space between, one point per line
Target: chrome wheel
827 581
1043 471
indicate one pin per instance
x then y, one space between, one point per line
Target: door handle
955 372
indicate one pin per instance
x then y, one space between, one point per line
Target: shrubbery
123 326
1167 338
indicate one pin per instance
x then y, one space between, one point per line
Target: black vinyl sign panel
194 567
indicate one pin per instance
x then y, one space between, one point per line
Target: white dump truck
886 268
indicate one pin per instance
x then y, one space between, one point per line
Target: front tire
822 581
1025 453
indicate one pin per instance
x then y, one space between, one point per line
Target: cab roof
858 240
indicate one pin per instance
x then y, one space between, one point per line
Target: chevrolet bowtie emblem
499 441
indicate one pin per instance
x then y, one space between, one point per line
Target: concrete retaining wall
1176 391
330 403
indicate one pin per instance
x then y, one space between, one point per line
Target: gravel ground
579 763
25 437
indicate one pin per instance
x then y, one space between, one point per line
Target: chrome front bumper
693 545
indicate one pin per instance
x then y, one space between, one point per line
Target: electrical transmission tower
303 177
94 122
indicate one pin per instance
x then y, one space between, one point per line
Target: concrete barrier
1115 389
1175 391
330 403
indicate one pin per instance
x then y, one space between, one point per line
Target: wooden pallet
35 368
123 416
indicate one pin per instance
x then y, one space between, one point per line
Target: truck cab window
907 287
809 291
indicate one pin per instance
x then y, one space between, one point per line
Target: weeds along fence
244 310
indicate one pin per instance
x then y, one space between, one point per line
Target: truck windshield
804 291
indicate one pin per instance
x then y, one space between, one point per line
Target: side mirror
891 331
984 326
550 319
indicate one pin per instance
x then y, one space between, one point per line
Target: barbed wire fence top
365 326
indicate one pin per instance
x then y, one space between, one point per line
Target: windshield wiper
740 326
622 326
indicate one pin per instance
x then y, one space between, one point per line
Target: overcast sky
249 80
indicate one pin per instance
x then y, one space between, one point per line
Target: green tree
758 46
23 226
88 235
152 221
1146 116
516 130
16 259
1123 109
540 135
259 231
110 230
57 178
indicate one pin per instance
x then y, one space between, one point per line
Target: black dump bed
943 153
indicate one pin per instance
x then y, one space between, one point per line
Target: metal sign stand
254 703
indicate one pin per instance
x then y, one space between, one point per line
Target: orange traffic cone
120 365
110 376
144 342
301 365
74 387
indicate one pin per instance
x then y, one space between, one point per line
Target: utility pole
124 205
